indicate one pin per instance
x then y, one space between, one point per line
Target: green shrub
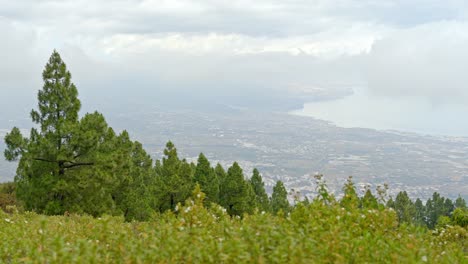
318 232
7 196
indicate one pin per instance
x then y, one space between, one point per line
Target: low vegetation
322 231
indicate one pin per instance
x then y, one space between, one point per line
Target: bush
319 232
7 196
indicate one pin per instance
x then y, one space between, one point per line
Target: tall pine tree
206 177
47 155
460 202
258 186
175 179
405 208
234 192
67 163
279 198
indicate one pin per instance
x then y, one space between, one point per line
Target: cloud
252 18
427 61
396 47
16 50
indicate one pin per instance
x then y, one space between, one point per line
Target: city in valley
293 149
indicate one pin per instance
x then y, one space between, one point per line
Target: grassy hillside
319 232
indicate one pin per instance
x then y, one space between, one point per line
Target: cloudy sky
402 54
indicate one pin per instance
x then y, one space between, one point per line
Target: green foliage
460 202
15 143
455 235
460 217
134 195
220 173
350 198
258 186
443 221
322 190
419 212
437 212
7 196
316 233
175 179
70 164
8 188
405 208
369 201
279 199
436 207
207 178
234 192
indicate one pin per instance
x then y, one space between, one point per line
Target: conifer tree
49 153
279 198
220 174
134 193
251 201
67 163
419 212
390 203
234 191
369 201
175 179
460 202
436 207
350 198
404 208
206 177
258 186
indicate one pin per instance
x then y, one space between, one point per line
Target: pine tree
390 203
133 195
350 198
258 186
234 191
460 202
49 153
175 179
420 212
279 199
67 163
220 173
251 201
436 207
206 177
405 208
369 201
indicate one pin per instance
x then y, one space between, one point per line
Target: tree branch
46 160
78 164
71 165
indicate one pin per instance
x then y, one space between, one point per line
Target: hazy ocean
383 113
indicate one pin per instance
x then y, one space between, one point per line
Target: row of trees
436 210
68 164
174 180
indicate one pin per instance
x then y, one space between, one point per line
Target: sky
410 54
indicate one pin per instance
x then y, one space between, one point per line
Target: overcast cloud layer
391 49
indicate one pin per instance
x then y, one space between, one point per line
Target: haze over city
406 53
